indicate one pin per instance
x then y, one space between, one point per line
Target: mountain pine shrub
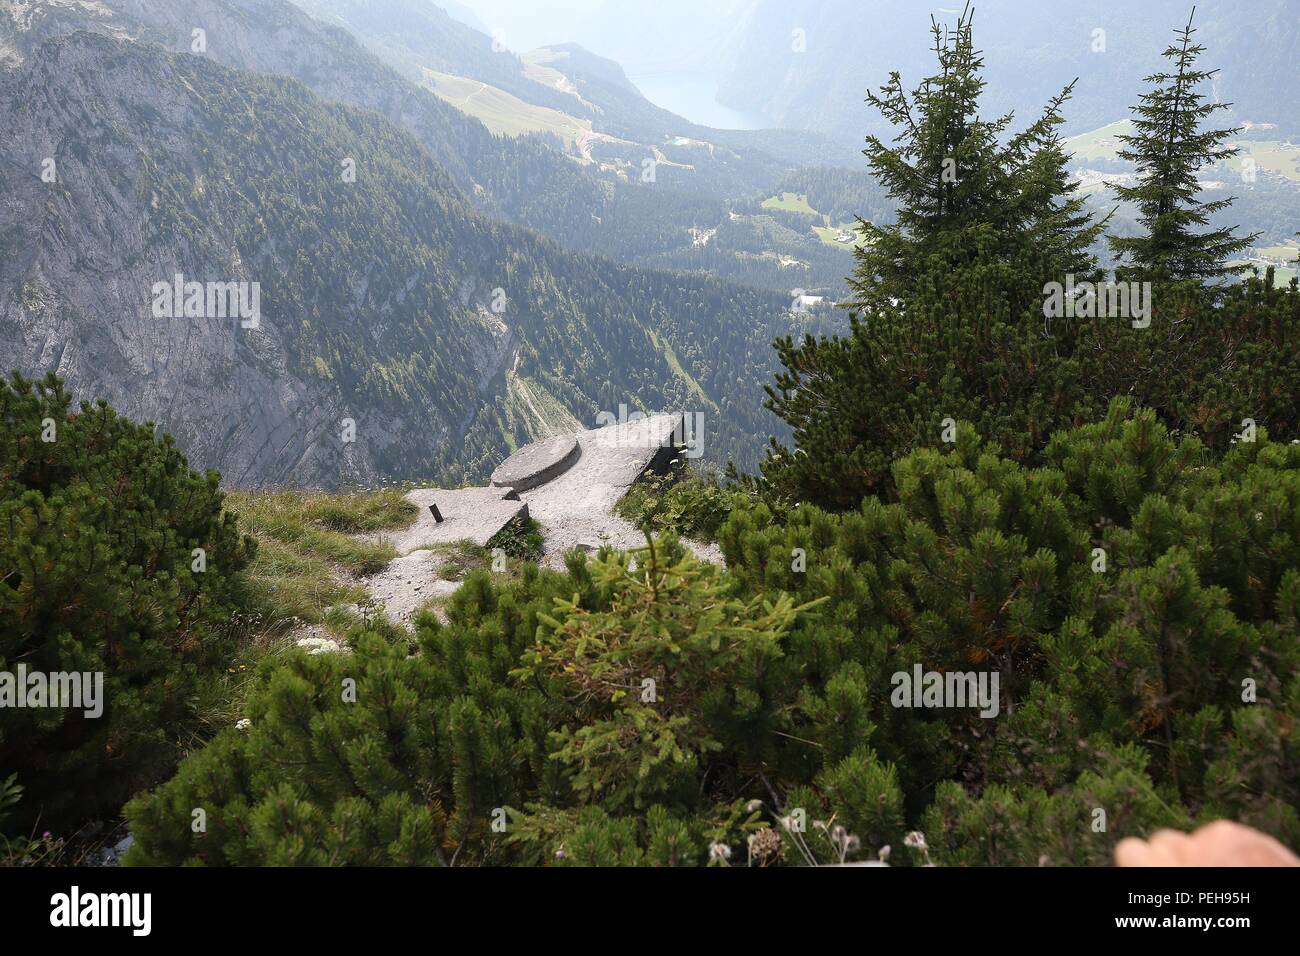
686 502
606 714
115 558
522 538
1137 596
648 709
1209 367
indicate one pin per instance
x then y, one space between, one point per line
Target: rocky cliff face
503 177
261 36
107 193
93 132
93 217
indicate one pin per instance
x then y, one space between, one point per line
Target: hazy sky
529 23
643 35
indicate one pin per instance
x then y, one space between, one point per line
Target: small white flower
915 839
243 724
720 851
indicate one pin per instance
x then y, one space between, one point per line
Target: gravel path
408 583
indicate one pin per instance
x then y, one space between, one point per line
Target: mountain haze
1032 50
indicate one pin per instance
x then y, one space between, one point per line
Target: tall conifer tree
951 171
1169 147
949 296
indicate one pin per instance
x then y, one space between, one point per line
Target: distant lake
694 96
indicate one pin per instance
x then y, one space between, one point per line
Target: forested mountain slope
523 179
378 298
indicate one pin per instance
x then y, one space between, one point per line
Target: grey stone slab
469 514
576 508
570 484
538 463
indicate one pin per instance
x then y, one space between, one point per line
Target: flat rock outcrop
464 514
576 508
569 484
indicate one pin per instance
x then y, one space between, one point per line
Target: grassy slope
307 554
306 564
790 203
826 232
1272 155
1100 143
314 547
501 112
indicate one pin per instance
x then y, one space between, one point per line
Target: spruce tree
1169 146
951 171
949 297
